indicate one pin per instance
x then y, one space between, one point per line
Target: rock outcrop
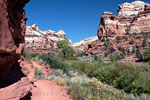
43 41
12 31
83 44
122 35
132 18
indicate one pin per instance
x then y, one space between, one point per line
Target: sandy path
44 89
48 90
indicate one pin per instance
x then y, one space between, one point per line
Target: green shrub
131 42
133 50
26 53
62 44
81 91
107 53
134 33
68 51
139 55
106 43
144 42
147 55
127 33
124 81
81 54
141 85
54 61
113 58
118 39
103 40
39 75
128 51
95 58
105 74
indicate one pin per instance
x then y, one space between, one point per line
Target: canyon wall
12 32
132 18
43 41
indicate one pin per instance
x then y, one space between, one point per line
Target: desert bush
139 55
131 42
142 84
62 44
134 33
68 51
104 73
102 40
54 61
144 43
106 43
147 55
26 53
95 57
81 54
39 75
118 39
133 50
113 58
124 81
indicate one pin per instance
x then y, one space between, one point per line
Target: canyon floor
28 88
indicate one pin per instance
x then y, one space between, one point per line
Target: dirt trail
48 90
44 89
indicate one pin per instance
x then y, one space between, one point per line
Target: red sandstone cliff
12 31
132 17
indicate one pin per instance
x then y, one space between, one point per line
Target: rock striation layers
43 41
83 44
122 35
12 32
132 18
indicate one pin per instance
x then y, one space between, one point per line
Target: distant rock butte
43 40
132 17
83 44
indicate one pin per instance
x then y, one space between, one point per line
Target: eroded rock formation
132 17
83 44
43 41
122 35
12 31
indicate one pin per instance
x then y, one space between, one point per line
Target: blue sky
78 18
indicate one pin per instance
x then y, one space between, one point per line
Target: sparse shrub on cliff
131 42
144 43
139 55
118 39
134 34
107 53
102 40
133 50
106 43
